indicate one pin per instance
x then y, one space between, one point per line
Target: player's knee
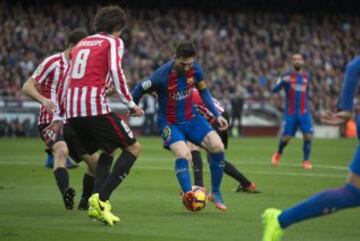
183 154
286 138
354 179
61 151
134 149
308 137
90 171
91 161
217 147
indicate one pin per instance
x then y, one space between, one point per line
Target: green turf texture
149 204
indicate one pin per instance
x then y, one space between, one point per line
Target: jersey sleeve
280 82
200 84
44 69
61 102
117 73
146 86
199 77
349 88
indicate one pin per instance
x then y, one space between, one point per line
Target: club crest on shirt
190 81
166 133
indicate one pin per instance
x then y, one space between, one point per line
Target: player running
297 114
179 121
245 185
45 86
95 60
329 201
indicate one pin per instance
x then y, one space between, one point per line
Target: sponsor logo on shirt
181 95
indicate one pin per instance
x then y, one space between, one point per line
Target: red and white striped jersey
95 61
50 74
203 110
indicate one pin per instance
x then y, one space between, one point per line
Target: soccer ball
198 201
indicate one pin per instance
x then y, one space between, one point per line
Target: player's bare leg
88 179
61 175
121 169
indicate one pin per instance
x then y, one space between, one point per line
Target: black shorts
224 135
107 132
49 143
76 149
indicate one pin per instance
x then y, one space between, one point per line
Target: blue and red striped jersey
174 93
296 86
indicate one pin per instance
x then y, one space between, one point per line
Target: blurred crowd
242 53
18 128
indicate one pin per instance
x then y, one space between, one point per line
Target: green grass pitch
149 204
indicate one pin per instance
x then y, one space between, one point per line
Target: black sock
282 145
62 179
121 169
197 168
88 186
102 171
231 170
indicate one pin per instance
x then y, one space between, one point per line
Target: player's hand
51 131
110 91
136 111
223 124
335 118
48 105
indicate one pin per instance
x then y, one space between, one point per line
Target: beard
180 70
297 67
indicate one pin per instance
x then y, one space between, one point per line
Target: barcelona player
179 121
297 114
332 200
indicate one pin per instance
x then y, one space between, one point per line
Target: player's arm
206 97
142 88
148 86
346 102
208 101
117 74
31 86
204 92
351 80
278 85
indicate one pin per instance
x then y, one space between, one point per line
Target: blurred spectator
15 128
149 106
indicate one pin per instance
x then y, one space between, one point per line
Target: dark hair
74 36
185 50
109 19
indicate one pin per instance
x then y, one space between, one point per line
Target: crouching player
179 121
